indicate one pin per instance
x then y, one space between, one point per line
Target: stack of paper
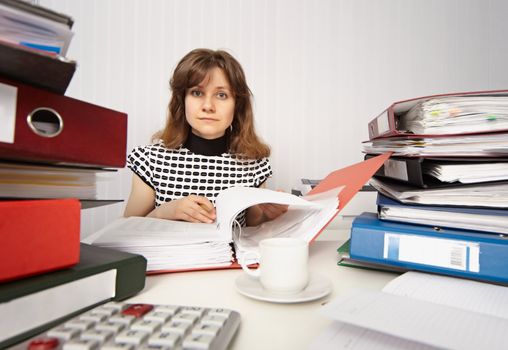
494 195
166 244
457 115
25 180
24 27
419 311
468 172
486 145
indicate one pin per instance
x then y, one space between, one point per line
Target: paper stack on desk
177 245
418 311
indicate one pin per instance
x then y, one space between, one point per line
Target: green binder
345 260
130 279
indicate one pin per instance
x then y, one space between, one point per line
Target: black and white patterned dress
177 173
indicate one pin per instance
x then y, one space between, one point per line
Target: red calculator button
47 343
137 310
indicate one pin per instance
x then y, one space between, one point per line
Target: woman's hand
272 211
260 213
191 208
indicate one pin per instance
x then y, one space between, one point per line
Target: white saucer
318 287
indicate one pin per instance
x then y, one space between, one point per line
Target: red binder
59 129
385 124
38 236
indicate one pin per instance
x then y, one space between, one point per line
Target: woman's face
210 106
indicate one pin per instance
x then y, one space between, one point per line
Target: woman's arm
191 208
141 199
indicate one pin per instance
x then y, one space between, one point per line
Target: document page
434 310
420 321
474 296
143 231
232 201
342 336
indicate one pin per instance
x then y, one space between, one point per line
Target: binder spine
380 126
420 248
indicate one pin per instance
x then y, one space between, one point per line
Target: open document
419 311
176 245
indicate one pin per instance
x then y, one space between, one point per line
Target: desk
264 325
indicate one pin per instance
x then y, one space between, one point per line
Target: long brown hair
190 71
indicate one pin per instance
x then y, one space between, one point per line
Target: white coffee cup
283 264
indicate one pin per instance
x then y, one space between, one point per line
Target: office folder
39 11
59 129
38 236
486 195
346 261
461 253
490 220
433 172
388 123
32 305
492 145
35 68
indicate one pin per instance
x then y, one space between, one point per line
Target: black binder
130 279
411 170
52 73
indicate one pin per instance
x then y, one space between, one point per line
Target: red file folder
386 124
59 129
38 236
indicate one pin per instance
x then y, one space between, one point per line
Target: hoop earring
231 128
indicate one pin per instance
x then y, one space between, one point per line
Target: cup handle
251 272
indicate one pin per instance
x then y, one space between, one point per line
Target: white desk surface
264 325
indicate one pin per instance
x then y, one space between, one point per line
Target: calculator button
208 329
131 337
94 334
158 316
185 318
197 341
219 312
170 309
193 310
164 339
178 327
146 326
137 310
45 343
81 345
110 326
63 333
117 346
123 319
214 320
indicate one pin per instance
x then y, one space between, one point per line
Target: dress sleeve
263 171
139 162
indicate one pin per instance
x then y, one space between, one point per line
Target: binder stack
52 148
443 195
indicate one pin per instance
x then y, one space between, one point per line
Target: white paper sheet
437 311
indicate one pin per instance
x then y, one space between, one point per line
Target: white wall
319 70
